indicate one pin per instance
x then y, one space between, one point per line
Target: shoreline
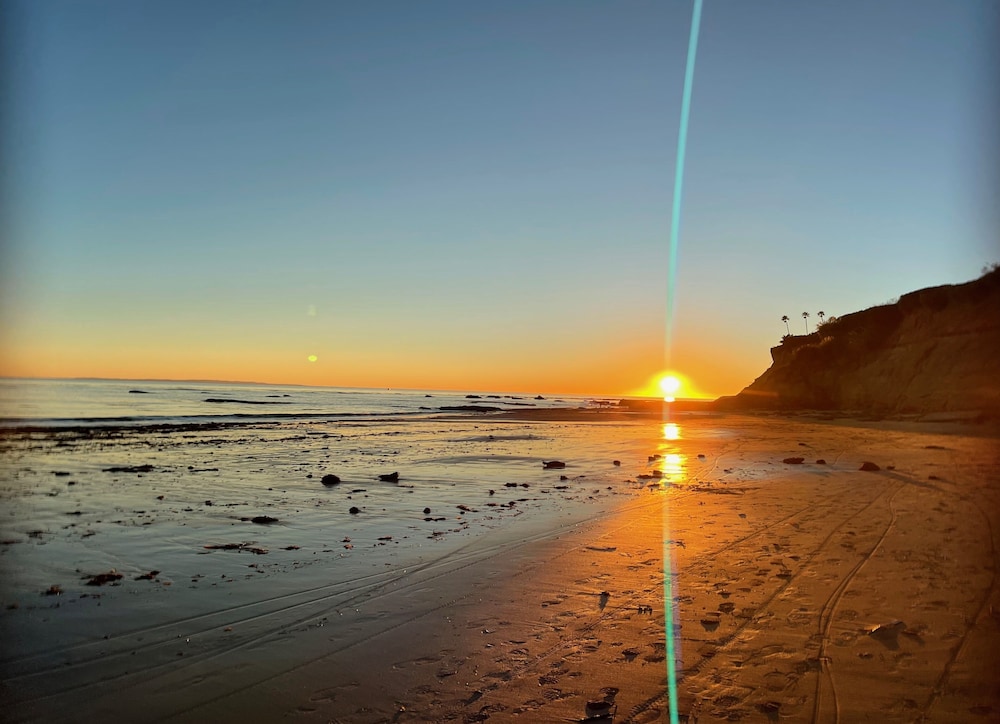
787 583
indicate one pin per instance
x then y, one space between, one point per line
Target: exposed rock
793 461
101 578
553 465
389 478
243 402
330 480
263 520
869 467
354 510
936 350
129 469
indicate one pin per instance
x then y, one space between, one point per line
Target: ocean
85 402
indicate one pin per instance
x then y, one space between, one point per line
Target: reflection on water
671 431
670 462
672 466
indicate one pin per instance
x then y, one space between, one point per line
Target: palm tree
785 320
805 316
821 314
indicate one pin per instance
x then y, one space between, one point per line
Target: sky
477 195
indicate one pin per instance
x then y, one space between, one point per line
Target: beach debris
510 485
138 392
389 478
492 491
427 511
701 456
564 477
602 549
616 463
208 502
129 469
290 548
553 464
645 609
330 480
630 654
159 497
53 591
727 606
147 576
769 707
101 578
386 537
793 461
263 519
869 467
354 510
61 473
652 458
821 461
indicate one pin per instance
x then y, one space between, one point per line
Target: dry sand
812 592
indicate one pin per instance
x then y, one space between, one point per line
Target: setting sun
669 384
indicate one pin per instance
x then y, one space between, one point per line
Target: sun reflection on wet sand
671 431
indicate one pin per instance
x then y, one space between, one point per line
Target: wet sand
801 592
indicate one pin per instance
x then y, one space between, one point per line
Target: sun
670 385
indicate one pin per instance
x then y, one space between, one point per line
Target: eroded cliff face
935 350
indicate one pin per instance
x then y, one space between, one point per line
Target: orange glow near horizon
671 385
616 371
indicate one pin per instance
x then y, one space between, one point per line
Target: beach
483 586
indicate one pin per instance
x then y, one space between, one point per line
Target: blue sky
480 192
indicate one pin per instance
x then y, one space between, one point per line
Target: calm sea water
107 402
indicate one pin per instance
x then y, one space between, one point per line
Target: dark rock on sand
427 511
793 461
101 578
354 510
821 461
553 464
263 519
330 480
616 463
130 469
389 478
138 392
869 467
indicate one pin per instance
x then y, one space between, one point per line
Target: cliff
935 350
